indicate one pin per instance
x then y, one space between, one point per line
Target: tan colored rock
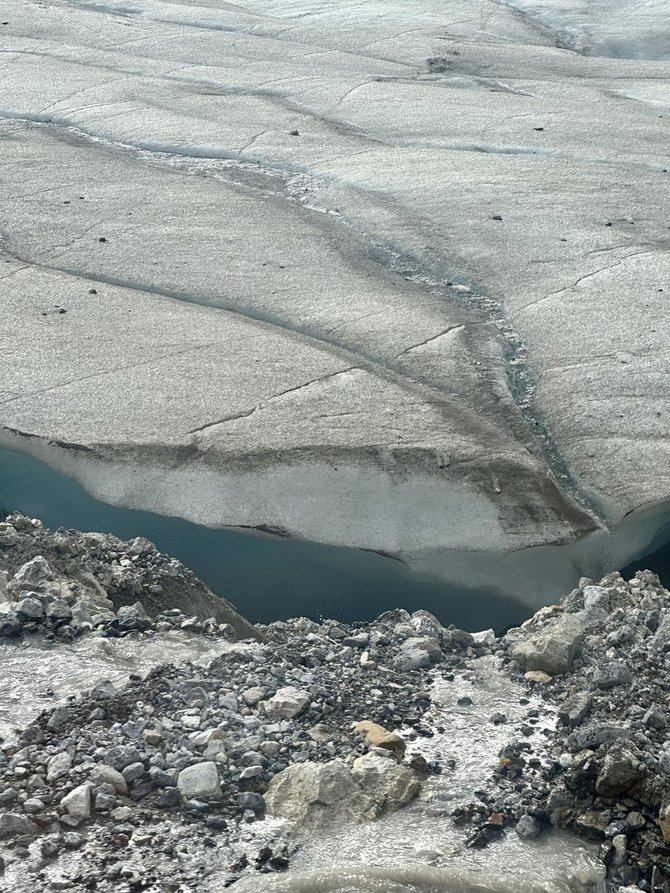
389 785
315 795
538 676
378 736
664 820
553 648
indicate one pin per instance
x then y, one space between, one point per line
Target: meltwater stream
418 849
266 577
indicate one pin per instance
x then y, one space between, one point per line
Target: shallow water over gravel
419 849
37 675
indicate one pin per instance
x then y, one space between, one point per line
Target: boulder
30 608
11 625
287 703
319 795
121 756
610 675
58 611
411 659
663 820
384 781
424 643
553 648
78 802
58 766
14 825
620 771
107 775
378 736
199 782
592 736
133 617
35 576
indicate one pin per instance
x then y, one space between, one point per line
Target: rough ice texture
434 314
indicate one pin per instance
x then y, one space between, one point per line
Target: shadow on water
267 578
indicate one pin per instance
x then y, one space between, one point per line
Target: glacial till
272 749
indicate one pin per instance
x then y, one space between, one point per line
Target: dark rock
594 735
573 712
121 756
610 675
14 825
11 625
621 769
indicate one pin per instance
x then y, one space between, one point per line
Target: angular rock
286 703
121 813
58 610
538 676
574 711
454 639
655 717
661 639
32 576
133 772
133 617
11 625
553 649
121 755
596 597
30 608
59 718
73 840
620 771
58 766
610 675
664 820
319 795
78 802
199 782
14 825
426 624
384 781
8 535
102 774
424 643
378 736
412 659
252 801
594 735
527 827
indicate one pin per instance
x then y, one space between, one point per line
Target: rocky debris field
87 580
601 659
193 776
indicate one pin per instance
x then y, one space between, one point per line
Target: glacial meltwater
266 577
